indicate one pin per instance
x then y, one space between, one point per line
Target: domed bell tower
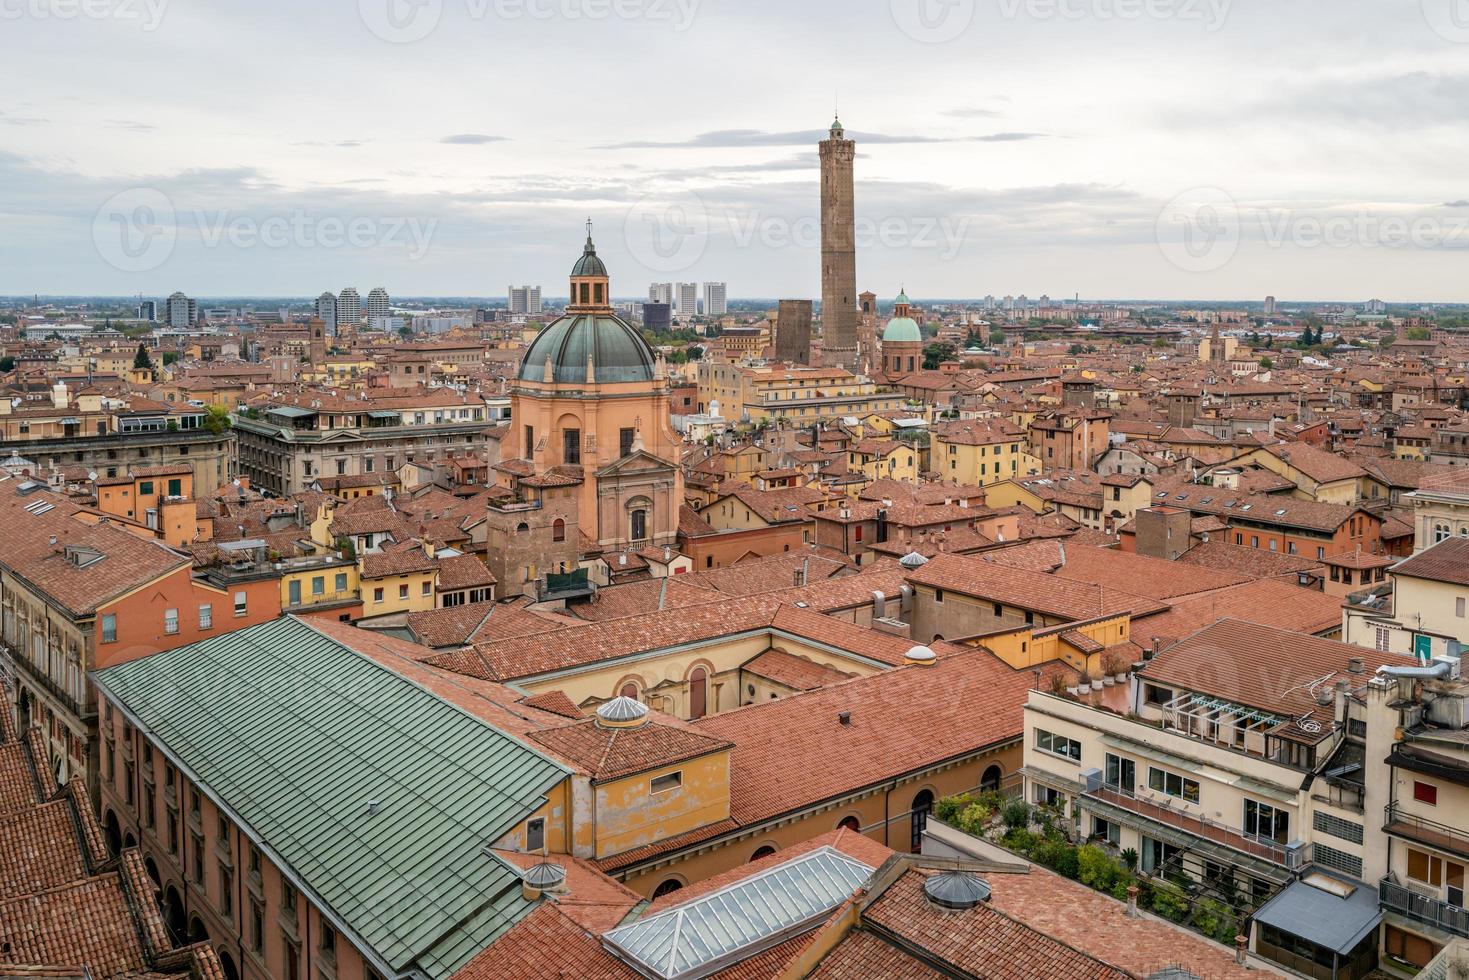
590 284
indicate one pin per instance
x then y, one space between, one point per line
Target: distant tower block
793 331
838 250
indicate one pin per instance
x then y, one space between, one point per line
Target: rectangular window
170 621
535 834
241 604
403 591
318 585
625 439
377 595
1066 748
1172 784
664 784
1266 822
341 582
288 898
206 616
530 442
1121 773
197 844
109 628
226 891
328 940
571 446
1425 793
257 927
426 588
1459 607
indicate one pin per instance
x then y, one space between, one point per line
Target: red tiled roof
612 753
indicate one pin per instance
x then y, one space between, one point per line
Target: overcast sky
1115 148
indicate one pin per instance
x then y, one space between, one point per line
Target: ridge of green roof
294 733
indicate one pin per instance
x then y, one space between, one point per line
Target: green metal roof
291 412
294 733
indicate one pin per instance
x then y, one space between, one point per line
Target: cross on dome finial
589 230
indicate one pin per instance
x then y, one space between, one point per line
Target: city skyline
1033 167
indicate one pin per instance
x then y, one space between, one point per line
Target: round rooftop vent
921 655
956 890
912 560
546 876
622 712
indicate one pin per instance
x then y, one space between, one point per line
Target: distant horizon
918 300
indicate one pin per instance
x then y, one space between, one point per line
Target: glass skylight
704 935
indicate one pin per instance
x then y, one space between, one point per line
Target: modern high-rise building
378 303
349 307
838 249
182 311
793 331
715 301
148 310
525 300
326 311
1269 305
686 300
661 292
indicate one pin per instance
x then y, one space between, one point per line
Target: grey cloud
1457 204
733 138
472 139
134 125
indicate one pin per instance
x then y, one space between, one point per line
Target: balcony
1438 836
1421 908
1285 855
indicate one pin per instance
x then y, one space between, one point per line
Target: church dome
617 352
589 264
902 330
589 344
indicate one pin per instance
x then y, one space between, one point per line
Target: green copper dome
902 299
617 352
902 330
589 264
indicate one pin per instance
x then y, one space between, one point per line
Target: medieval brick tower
838 250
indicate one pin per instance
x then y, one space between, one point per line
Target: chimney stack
1132 893
1241 949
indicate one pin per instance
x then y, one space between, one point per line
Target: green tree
936 354
169 357
997 337
1266 363
7 364
1419 333
141 359
217 419
405 331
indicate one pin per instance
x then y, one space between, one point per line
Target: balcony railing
1170 816
1441 836
1421 908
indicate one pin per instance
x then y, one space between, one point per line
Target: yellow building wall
330 592
629 814
418 599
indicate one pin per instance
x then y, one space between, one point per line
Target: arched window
227 964
698 693
991 779
522 528
852 824
558 530
764 852
922 807
629 690
1440 532
667 888
639 525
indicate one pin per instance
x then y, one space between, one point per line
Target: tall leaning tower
838 251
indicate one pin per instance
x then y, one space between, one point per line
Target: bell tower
590 284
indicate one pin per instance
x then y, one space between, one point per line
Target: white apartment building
686 300
716 301
349 307
661 292
378 303
181 312
1251 762
524 300
326 311
1425 611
